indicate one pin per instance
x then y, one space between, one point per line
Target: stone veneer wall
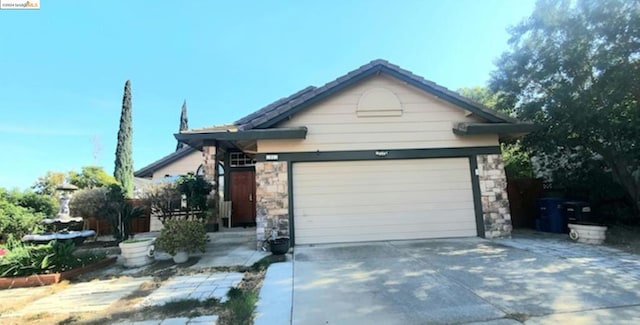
211 174
272 195
209 156
493 190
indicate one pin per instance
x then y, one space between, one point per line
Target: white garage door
382 200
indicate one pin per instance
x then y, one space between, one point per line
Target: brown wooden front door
243 194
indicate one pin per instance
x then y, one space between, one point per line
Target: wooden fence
523 193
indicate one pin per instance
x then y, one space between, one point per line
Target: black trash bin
577 211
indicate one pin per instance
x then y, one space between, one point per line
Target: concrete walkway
228 248
276 296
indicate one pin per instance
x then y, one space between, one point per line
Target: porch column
493 191
211 174
272 199
209 155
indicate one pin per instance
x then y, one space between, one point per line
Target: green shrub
18 221
38 203
182 235
107 203
196 189
22 259
88 203
241 305
517 163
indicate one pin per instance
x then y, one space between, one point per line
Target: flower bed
37 280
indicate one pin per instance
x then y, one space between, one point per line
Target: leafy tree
89 202
38 203
163 200
196 189
184 123
482 95
46 185
91 177
16 220
123 171
574 68
107 203
517 163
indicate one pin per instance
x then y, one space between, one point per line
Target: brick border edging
37 280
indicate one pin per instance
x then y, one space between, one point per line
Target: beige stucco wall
424 122
182 166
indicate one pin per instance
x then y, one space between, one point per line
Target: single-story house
181 162
377 154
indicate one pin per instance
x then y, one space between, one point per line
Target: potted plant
279 245
136 252
181 237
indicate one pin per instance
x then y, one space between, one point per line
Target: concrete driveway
454 281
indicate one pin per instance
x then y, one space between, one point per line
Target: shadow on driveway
444 281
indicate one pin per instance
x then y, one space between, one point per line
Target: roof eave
147 171
197 140
502 129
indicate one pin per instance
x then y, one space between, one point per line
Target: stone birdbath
63 226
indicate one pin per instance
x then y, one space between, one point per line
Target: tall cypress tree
184 123
123 171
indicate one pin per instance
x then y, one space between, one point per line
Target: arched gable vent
379 102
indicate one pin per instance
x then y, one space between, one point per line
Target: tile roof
272 109
284 107
148 170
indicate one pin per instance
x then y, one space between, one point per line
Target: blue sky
63 67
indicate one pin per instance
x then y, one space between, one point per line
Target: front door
243 193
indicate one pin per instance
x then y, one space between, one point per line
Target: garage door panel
403 218
374 235
430 232
382 200
366 198
390 189
389 177
383 208
367 166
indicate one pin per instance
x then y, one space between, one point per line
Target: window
240 159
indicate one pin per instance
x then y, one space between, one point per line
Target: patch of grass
624 237
179 306
211 302
187 307
520 317
69 320
240 306
264 263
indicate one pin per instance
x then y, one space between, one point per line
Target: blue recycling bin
551 215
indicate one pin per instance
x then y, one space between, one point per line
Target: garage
353 201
